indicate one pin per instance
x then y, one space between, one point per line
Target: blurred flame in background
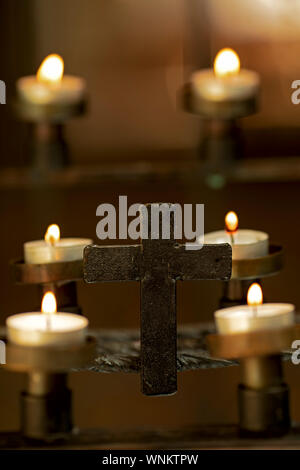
226 63
51 69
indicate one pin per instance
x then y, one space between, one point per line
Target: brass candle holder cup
210 109
263 397
58 277
46 404
247 271
48 149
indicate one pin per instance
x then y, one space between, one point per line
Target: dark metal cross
157 264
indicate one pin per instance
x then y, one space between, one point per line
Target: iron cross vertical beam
158 309
157 263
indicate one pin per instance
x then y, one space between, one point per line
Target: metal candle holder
48 147
221 144
59 277
46 404
247 271
263 397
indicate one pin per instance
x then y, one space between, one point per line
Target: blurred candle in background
50 85
226 81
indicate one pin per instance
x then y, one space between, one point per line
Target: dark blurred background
135 56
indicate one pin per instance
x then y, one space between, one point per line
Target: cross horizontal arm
210 262
111 263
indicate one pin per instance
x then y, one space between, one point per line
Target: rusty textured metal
112 263
158 314
157 264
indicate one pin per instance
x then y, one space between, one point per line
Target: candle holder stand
247 271
118 351
263 397
46 404
59 277
48 149
221 144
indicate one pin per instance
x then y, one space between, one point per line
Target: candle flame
231 222
254 295
49 305
226 63
52 234
51 69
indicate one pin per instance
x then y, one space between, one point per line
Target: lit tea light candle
254 316
53 248
50 85
245 244
227 81
48 327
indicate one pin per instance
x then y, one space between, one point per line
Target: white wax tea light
53 248
48 327
50 85
245 244
254 316
227 82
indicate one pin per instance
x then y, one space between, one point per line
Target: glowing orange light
231 222
51 70
226 63
49 305
52 234
254 295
